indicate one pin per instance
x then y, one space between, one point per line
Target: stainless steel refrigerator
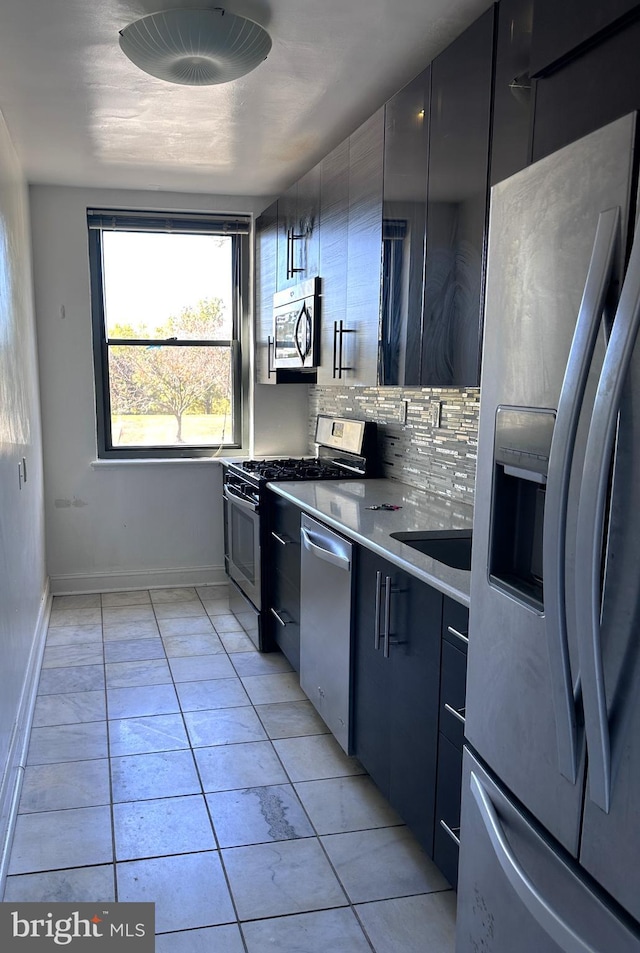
550 830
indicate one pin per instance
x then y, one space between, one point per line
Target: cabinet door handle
387 615
456 712
453 832
283 540
270 347
376 624
339 331
289 254
291 238
278 617
459 635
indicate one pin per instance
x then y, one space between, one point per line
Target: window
168 318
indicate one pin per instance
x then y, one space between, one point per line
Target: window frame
239 228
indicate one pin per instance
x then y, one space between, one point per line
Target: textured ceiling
80 113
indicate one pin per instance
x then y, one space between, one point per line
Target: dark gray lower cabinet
396 688
283 560
446 846
453 674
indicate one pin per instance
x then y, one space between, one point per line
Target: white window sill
159 461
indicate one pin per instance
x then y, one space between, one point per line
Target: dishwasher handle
336 559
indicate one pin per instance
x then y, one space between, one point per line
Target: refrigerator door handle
557 490
592 506
534 901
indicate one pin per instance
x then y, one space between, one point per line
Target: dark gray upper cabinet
298 231
306 250
528 77
266 276
334 216
562 29
406 149
350 256
513 90
590 90
461 91
357 342
358 220
287 207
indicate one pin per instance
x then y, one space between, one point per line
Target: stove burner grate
292 469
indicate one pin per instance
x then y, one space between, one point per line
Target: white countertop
343 504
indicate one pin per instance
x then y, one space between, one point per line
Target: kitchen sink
451 547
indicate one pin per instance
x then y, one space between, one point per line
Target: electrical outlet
435 411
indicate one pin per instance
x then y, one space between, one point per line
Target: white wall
23 593
134 524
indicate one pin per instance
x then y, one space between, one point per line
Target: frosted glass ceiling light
195 47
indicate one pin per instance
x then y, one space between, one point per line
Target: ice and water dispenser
521 460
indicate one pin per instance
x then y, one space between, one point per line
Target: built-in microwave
296 325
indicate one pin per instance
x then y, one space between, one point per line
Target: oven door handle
234 497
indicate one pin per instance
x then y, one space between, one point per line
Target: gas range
295 468
346 449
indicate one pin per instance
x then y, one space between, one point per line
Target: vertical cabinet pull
291 238
376 624
387 615
289 254
339 331
270 348
382 623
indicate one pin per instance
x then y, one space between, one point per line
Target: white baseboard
11 784
68 584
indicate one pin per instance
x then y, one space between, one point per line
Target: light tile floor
171 762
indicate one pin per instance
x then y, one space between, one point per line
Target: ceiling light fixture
195 47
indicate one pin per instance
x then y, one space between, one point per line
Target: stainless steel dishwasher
325 624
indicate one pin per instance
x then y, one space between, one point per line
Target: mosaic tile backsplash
428 437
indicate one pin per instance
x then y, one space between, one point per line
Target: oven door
242 541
